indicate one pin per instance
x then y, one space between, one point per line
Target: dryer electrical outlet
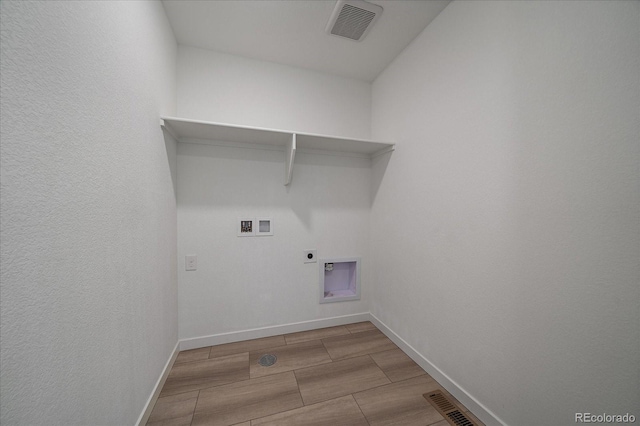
310 256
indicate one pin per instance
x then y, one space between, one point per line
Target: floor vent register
449 411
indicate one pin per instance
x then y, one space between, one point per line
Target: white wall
245 283
250 282
517 131
88 235
231 89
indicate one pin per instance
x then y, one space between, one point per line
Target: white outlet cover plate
263 226
191 262
312 260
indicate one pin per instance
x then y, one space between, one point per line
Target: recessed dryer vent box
339 279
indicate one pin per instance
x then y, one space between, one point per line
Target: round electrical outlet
310 256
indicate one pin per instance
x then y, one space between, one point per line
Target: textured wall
225 88
88 234
250 282
245 283
517 161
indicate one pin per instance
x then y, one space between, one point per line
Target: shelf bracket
289 156
169 130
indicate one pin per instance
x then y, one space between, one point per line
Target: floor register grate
449 411
267 360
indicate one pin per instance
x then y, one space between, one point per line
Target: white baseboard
256 333
479 410
144 416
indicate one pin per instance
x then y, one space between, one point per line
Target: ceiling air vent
353 18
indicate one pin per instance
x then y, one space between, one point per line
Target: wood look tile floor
336 376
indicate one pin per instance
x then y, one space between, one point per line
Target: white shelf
183 129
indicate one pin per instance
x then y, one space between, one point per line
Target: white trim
146 412
242 145
256 333
263 147
311 151
164 121
383 151
483 413
168 128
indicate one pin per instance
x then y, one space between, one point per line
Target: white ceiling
292 32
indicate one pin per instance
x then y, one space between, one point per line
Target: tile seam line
205 359
360 408
298 385
310 340
293 369
376 364
170 418
325 348
367 353
241 352
237 353
364 390
217 386
321 402
393 383
193 414
249 420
